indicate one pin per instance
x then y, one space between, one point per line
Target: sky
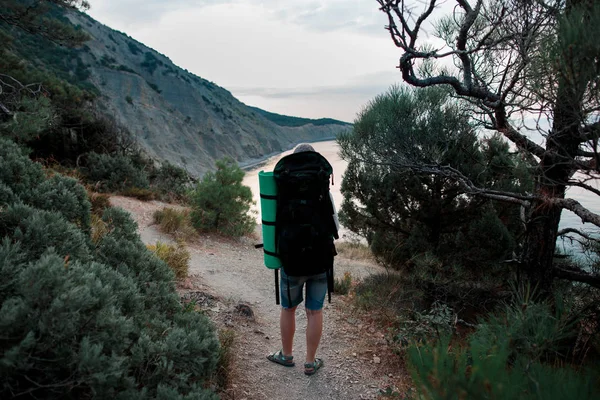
313 59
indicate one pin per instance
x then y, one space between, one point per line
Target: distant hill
172 114
285 120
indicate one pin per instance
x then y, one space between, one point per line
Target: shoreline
255 163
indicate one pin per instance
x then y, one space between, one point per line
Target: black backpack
305 228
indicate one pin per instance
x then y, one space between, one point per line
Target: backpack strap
276 286
329 274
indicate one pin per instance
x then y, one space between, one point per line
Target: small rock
353 354
245 310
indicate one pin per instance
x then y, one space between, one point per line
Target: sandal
311 368
279 358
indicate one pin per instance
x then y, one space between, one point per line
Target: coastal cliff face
177 116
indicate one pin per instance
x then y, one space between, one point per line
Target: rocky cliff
177 116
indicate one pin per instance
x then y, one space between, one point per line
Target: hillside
176 115
172 114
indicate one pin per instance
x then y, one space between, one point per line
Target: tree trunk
555 170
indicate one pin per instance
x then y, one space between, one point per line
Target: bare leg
313 333
287 324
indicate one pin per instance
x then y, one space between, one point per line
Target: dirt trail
358 363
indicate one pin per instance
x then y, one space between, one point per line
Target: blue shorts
316 289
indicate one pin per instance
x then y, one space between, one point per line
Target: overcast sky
304 58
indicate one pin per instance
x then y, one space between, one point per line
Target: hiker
317 284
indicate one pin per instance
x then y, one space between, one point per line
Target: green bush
7 196
17 171
512 355
220 202
170 181
33 115
114 172
66 196
82 330
120 224
395 199
89 319
39 230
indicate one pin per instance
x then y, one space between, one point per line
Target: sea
330 150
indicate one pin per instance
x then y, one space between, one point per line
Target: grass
388 289
139 193
175 222
342 286
176 257
354 251
226 339
99 228
388 296
100 202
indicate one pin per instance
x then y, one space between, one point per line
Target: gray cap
303 147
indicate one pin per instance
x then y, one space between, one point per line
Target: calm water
330 149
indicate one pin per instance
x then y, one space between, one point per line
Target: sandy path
357 361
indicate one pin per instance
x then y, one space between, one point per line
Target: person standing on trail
307 225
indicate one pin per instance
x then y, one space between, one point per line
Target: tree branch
576 274
590 132
467 185
521 141
565 231
576 207
583 185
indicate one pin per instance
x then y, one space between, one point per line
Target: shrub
120 224
85 322
17 171
34 115
401 207
175 222
38 230
342 286
7 196
171 181
80 321
66 196
221 203
512 355
389 297
114 173
176 257
421 327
